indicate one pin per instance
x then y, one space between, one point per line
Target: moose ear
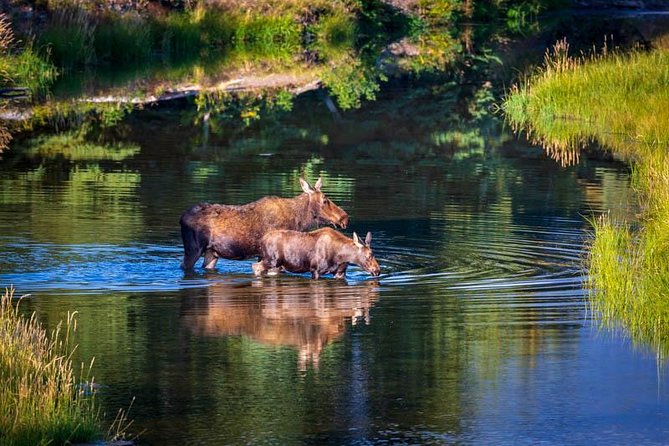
305 186
356 240
368 239
318 184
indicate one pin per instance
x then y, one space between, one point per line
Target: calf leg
341 271
259 268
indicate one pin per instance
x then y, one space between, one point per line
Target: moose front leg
263 267
341 271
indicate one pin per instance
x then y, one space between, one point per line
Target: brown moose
323 251
234 232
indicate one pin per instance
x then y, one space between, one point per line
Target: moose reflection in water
304 314
234 232
324 251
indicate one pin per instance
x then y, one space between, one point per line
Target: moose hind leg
192 248
210 259
191 255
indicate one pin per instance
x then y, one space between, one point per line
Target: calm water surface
477 332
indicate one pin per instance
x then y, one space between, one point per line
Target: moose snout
343 221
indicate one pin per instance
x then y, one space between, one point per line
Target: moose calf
323 251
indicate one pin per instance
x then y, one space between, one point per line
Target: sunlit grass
335 29
72 146
42 401
619 100
629 279
27 69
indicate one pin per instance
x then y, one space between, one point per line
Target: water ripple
539 260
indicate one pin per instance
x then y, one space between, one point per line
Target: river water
478 331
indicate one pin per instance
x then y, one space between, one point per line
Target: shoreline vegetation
618 100
160 50
192 43
42 400
166 48
227 55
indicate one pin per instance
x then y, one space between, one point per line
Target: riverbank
618 100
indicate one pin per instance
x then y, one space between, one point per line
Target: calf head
365 257
323 210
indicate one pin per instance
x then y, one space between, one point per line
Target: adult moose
234 232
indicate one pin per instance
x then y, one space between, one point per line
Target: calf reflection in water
324 251
303 314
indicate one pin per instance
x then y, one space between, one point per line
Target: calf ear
318 184
356 240
368 239
305 186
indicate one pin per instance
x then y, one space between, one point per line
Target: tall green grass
179 35
42 401
22 67
77 37
621 101
123 39
335 28
334 35
27 69
618 99
69 37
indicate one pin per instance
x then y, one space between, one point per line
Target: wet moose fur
234 232
323 251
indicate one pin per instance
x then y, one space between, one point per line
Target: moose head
365 257
322 209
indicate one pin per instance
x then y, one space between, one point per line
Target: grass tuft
42 401
70 37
